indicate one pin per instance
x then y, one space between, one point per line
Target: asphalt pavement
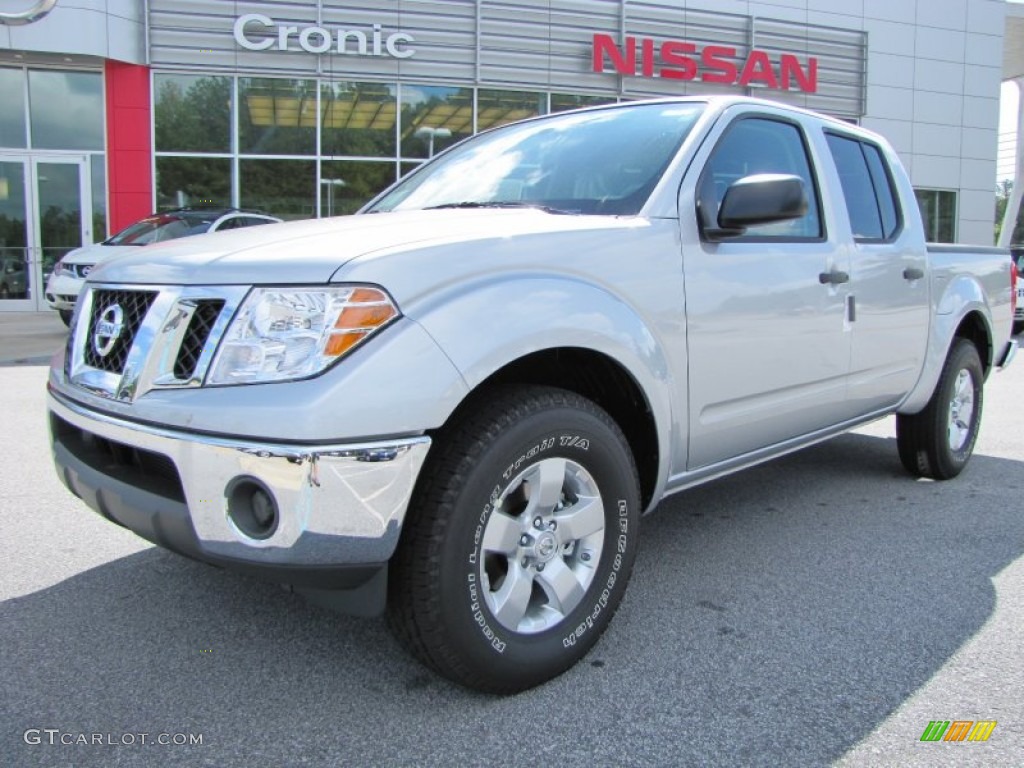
821 609
30 338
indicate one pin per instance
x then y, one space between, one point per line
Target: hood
96 254
311 251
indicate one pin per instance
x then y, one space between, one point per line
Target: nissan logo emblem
108 329
33 13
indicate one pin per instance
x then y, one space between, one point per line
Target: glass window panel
603 163
98 173
192 181
888 203
14 272
60 210
192 113
12 116
500 107
756 145
858 190
406 168
346 186
276 116
563 101
358 119
938 211
66 109
284 188
434 117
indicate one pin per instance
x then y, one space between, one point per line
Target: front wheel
938 441
519 542
65 316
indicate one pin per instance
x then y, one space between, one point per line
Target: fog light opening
252 507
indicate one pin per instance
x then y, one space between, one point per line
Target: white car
69 273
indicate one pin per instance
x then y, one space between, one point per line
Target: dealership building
111 109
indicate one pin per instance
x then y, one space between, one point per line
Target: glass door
61 192
44 205
15 234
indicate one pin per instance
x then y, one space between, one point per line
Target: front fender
961 297
518 315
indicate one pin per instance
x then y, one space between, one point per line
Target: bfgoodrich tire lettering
938 441
520 540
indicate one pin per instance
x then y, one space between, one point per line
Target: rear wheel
938 441
520 540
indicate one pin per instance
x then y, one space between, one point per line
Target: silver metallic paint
503 284
316 409
338 504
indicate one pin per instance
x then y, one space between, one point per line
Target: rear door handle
835 277
913 273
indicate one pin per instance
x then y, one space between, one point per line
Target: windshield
156 229
595 162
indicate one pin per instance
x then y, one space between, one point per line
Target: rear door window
867 188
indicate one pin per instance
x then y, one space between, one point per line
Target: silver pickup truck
460 401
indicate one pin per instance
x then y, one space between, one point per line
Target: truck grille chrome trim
129 340
114 319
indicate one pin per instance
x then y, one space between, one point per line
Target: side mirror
763 198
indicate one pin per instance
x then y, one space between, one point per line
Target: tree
1002 199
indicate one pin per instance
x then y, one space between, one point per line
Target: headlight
61 269
294 333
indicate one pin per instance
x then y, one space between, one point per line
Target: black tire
446 576
1018 328
65 316
928 443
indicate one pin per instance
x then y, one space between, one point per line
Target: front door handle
913 273
835 277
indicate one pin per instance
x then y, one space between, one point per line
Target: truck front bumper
318 517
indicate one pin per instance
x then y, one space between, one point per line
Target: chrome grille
168 335
195 339
134 305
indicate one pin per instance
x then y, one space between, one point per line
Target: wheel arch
975 329
599 378
564 331
972 323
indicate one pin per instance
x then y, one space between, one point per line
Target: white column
1013 204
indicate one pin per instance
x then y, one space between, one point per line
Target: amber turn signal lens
367 310
352 318
340 343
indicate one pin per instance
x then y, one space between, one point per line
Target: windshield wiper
499 204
